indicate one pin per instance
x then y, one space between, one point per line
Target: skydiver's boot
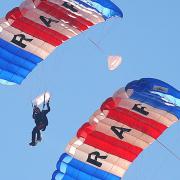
39 139
32 144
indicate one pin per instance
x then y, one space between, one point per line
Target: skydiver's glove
48 101
44 129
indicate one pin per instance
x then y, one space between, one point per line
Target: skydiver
41 122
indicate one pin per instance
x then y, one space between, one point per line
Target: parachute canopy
125 125
30 32
43 98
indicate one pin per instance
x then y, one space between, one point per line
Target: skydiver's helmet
36 110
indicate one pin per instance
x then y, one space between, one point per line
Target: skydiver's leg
34 132
38 135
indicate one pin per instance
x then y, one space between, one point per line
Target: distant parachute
30 32
114 62
119 131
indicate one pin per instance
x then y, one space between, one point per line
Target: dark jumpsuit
41 121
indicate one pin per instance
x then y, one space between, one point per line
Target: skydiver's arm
33 116
48 109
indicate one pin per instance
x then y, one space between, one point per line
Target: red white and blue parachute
119 131
30 32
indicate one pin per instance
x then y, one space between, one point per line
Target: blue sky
77 76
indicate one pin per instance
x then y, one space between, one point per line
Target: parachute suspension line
97 45
44 71
169 150
113 61
107 29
